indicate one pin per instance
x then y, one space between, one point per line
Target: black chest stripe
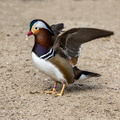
48 55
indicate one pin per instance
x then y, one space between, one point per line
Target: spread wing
56 28
70 41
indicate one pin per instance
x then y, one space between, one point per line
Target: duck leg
53 90
62 91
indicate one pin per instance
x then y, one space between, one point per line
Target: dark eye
36 28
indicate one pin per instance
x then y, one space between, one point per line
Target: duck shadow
76 87
80 87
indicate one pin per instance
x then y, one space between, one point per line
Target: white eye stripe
41 24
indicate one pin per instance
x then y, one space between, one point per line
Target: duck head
42 32
37 25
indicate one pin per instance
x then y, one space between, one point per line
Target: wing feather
56 28
71 40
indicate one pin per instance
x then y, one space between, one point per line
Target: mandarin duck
55 52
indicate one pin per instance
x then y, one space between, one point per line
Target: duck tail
82 75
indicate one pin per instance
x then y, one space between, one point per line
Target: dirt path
93 99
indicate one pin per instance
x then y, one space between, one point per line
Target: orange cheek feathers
35 32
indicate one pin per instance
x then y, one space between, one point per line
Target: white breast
48 68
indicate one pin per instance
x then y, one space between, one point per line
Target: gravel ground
92 99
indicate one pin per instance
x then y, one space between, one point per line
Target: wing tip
110 33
